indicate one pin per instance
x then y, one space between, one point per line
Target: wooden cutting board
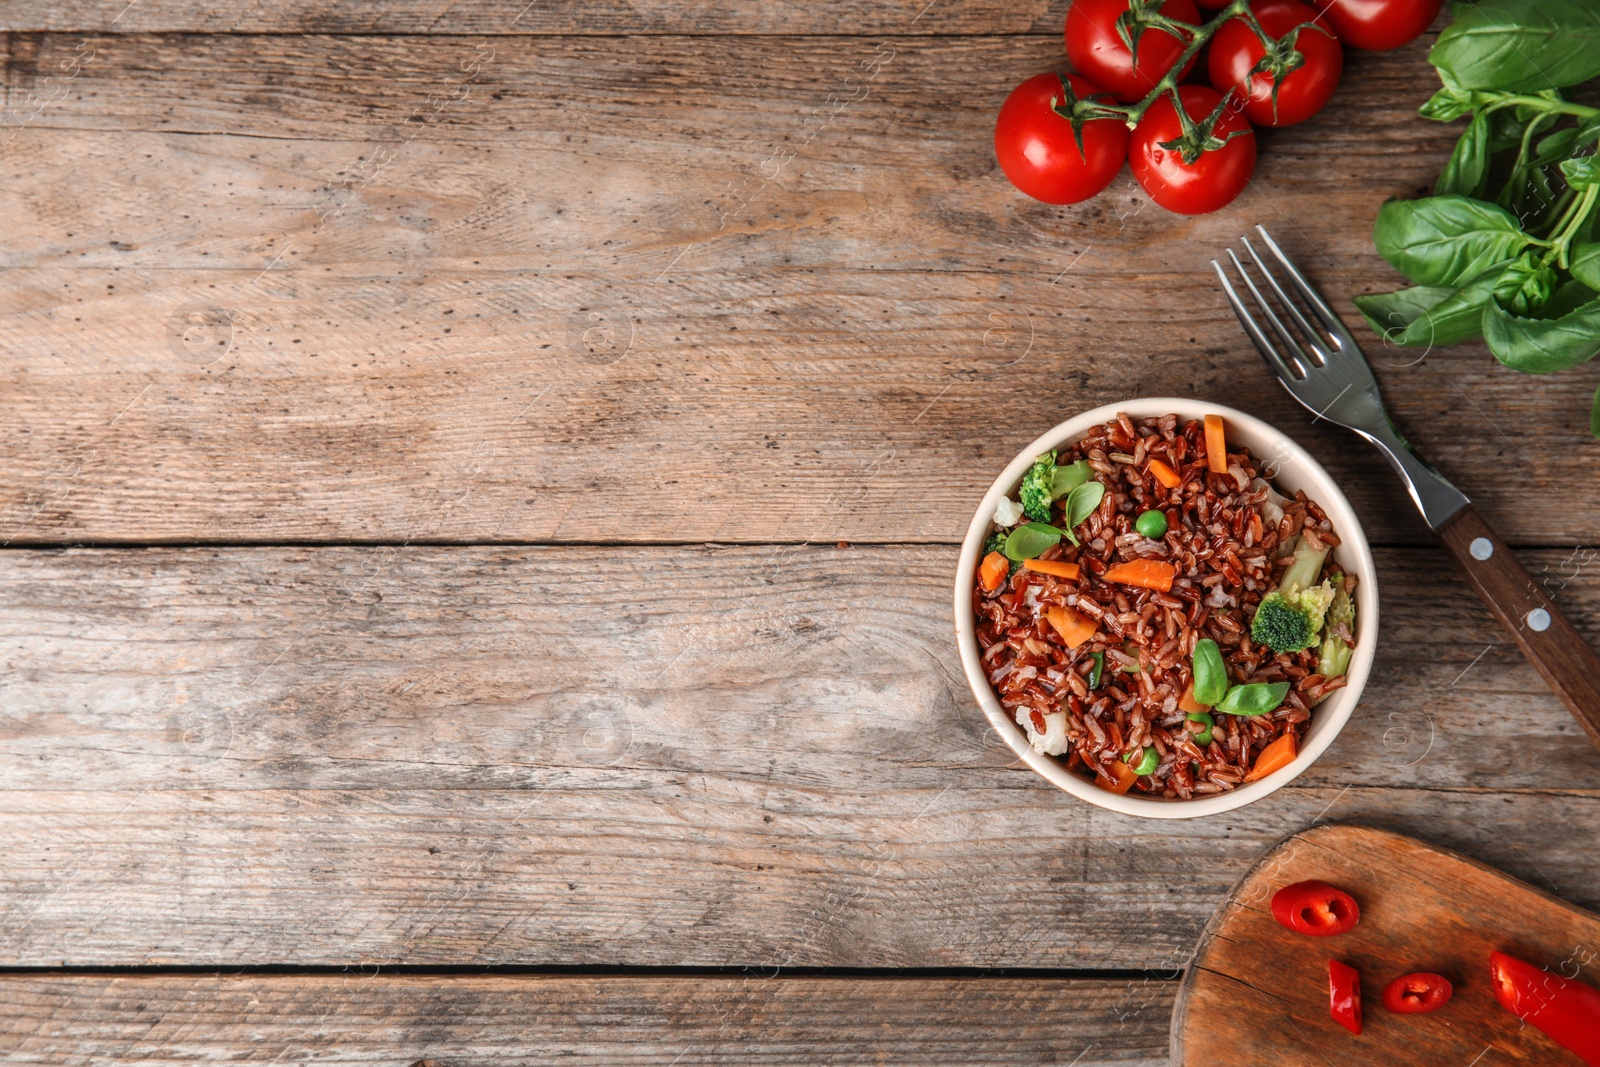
1257 994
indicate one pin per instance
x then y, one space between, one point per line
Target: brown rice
1227 537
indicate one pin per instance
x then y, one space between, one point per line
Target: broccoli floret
1289 619
1034 492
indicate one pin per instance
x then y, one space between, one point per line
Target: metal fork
1315 357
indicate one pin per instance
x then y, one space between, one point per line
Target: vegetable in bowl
1126 646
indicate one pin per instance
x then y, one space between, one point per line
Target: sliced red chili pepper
1413 994
1565 1011
1344 995
1316 909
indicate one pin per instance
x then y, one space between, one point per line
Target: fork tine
1336 327
1296 356
1313 336
1268 353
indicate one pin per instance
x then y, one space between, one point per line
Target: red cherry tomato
1344 995
1038 153
1379 25
1316 909
1097 51
1212 5
1212 180
1235 50
1413 994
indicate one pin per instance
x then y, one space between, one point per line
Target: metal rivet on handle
1483 548
1538 619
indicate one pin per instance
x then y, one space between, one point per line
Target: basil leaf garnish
1254 698
1081 503
1210 673
1067 478
1030 540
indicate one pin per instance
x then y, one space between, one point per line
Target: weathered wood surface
1527 610
656 756
356 1019
682 289
1257 994
596 17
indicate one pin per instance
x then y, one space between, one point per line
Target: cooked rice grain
1227 553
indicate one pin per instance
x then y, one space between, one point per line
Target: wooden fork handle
1523 606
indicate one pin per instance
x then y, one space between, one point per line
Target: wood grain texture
1565 661
734 289
599 17
1257 994
355 1019
654 756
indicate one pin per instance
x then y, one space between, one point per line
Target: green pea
1148 761
1152 524
1203 738
1097 670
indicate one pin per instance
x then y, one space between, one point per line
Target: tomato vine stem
1198 136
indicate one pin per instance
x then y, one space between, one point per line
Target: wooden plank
468 290
342 668
1565 661
660 756
358 1019
599 17
1421 910
653 869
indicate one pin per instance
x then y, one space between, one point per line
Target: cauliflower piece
1053 742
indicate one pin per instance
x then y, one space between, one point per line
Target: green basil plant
1506 249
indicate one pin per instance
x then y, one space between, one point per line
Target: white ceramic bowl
1295 470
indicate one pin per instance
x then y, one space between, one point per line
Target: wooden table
482 486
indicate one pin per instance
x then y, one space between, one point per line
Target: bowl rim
1354 552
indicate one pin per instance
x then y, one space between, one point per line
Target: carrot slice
1145 573
1124 777
1188 703
992 571
1074 628
1059 568
1216 445
1274 757
1164 474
